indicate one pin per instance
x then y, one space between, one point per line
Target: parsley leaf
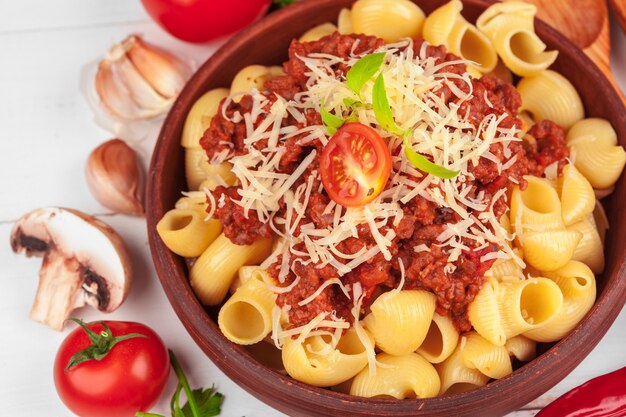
383 114
201 402
363 71
208 400
331 122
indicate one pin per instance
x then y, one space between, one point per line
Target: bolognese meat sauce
455 284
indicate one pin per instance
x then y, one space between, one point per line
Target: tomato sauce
455 285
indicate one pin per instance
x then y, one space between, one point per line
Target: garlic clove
165 73
115 177
113 93
137 80
141 92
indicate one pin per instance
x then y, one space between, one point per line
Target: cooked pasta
387 19
199 117
196 163
578 285
456 377
577 197
536 209
480 354
186 232
522 348
344 21
316 362
562 106
446 26
246 317
590 249
440 341
406 376
528 305
509 26
213 272
393 222
548 251
399 321
252 77
318 32
595 152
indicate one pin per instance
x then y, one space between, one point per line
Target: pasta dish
405 207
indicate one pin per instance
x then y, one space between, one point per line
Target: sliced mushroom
85 262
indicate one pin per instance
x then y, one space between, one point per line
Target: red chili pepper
604 396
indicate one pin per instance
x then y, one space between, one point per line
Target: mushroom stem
56 293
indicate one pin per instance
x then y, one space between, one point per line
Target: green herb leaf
363 71
208 400
283 3
382 110
350 102
200 402
331 122
383 113
420 162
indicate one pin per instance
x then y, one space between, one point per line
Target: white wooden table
46 133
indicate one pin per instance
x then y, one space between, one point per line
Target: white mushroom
84 262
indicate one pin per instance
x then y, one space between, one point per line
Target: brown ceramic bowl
267 43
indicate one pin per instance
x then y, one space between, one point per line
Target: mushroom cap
71 234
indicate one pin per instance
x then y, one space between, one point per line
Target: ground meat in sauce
423 221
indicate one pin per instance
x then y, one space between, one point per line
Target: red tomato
130 378
355 165
203 20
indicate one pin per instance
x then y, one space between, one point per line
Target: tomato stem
101 344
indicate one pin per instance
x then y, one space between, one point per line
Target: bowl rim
230 358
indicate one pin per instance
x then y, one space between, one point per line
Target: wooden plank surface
46 133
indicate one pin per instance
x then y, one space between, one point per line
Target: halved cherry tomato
355 165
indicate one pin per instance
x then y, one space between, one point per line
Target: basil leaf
382 110
420 162
350 102
363 71
331 122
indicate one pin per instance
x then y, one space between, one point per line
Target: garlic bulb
137 80
115 177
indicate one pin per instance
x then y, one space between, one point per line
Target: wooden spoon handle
619 7
597 51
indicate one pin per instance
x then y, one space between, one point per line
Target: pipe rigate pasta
578 286
186 233
562 106
316 362
446 26
252 77
246 317
535 209
577 197
199 117
590 249
595 152
213 272
480 354
399 321
509 26
456 377
521 348
406 376
390 20
548 251
318 32
440 341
